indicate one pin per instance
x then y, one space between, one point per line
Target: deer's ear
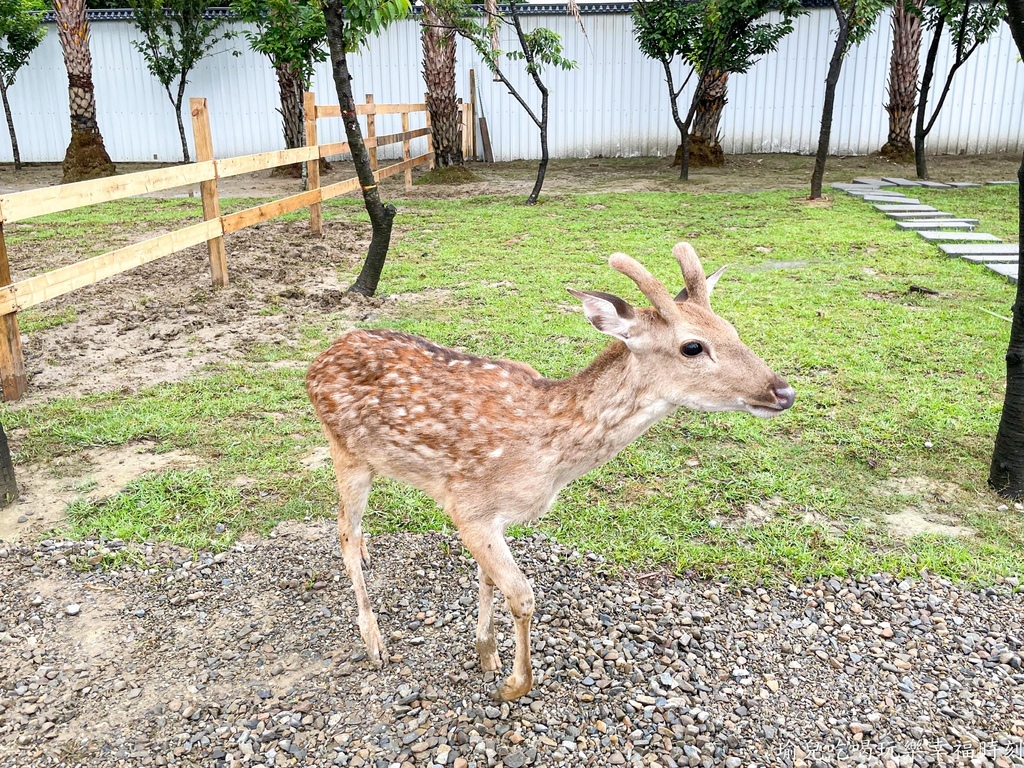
608 313
711 280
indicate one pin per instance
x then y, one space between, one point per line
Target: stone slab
978 237
903 215
986 258
872 182
900 182
864 191
963 184
935 224
981 249
904 208
900 199
933 184
1009 271
995 183
852 187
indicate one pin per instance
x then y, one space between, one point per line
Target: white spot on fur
496 453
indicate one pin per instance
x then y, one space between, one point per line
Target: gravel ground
252 656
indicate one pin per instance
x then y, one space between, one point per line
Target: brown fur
493 442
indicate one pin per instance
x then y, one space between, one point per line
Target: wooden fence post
12 360
371 130
430 136
406 153
312 166
464 123
211 202
472 113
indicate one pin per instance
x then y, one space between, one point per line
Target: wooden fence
19 206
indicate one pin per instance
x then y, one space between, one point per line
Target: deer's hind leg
354 480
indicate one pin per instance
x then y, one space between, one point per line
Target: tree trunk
922 104
86 157
903 70
8 483
542 124
289 86
382 216
1006 474
705 147
835 68
10 129
542 168
177 114
439 75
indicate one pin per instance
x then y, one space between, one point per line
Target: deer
493 442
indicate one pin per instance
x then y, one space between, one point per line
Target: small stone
72 609
515 759
22 519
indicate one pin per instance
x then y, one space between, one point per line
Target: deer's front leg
486 647
488 547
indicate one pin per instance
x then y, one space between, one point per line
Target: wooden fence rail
18 206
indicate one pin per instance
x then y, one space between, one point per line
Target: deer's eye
692 348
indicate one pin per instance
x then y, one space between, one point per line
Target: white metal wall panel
614 104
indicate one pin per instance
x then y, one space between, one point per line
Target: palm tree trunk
86 157
903 69
439 75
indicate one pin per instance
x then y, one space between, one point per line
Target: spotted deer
493 441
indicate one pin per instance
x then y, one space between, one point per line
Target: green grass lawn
898 392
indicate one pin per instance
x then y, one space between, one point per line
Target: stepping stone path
935 225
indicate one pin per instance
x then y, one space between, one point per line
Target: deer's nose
785 396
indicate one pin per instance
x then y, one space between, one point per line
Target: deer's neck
601 410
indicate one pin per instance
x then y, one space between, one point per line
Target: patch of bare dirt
928 512
47 489
739 173
165 320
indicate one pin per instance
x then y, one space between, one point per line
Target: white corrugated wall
614 104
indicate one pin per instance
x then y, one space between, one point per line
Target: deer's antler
651 287
697 289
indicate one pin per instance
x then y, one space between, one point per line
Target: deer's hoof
490 662
376 653
364 554
511 690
